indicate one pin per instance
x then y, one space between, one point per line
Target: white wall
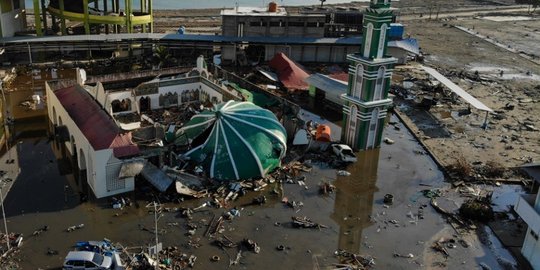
10 24
96 162
179 89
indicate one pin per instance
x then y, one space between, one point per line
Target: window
89 265
534 235
16 4
296 24
98 259
357 90
275 24
312 24
367 40
382 41
379 84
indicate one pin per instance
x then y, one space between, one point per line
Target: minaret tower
370 72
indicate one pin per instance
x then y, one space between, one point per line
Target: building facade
528 208
370 72
91 127
12 17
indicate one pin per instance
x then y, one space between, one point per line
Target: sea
195 4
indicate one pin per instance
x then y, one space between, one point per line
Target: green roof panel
246 141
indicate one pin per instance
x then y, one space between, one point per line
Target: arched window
382 39
54 115
373 125
357 90
367 40
379 84
351 132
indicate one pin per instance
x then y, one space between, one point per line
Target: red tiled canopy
95 124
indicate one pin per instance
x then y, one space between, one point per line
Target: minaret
370 72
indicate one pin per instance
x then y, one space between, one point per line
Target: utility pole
4 217
157 207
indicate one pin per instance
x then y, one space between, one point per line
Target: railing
527 212
137 74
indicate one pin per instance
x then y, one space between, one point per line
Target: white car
87 260
344 152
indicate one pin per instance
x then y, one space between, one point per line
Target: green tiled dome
244 141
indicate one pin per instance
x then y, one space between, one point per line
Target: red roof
290 74
342 76
95 124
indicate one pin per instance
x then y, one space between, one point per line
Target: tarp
456 89
290 74
242 141
156 177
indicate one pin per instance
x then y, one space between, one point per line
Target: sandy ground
452 51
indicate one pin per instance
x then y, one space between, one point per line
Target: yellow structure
105 13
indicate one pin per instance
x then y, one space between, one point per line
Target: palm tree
162 57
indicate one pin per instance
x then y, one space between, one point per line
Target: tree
162 57
322 2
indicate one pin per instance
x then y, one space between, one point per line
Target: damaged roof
290 74
243 141
95 124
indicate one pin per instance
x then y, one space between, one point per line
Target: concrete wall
179 89
275 26
311 53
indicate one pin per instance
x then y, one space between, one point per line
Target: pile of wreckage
8 257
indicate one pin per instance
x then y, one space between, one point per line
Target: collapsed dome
243 141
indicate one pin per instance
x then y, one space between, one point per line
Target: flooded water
45 193
25 86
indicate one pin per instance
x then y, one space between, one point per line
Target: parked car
344 152
87 260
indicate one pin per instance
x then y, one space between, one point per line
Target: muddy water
356 218
24 86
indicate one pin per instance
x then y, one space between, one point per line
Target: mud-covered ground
507 83
398 236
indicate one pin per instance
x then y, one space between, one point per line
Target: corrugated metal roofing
95 124
245 141
156 177
407 44
456 89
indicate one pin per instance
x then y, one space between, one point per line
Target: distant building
95 15
310 35
96 127
273 21
528 208
12 17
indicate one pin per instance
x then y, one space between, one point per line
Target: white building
12 17
86 117
528 208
